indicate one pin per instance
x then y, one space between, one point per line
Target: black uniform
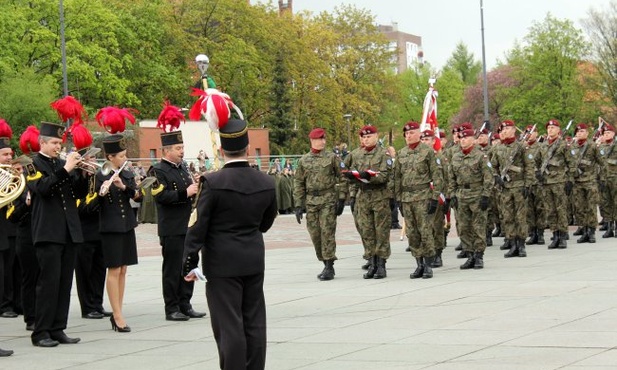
236 205
173 210
55 231
117 221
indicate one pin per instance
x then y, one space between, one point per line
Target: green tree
464 63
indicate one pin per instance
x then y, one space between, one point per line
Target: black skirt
119 249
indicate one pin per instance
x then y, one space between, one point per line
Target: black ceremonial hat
171 138
234 135
52 130
113 144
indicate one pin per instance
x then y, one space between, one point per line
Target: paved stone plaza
552 310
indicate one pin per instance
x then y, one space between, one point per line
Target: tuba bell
12 184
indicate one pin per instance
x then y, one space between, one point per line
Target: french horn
12 184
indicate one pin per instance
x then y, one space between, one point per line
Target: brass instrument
106 168
12 184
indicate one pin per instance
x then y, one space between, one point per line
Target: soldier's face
412 136
582 134
369 140
553 131
467 141
6 155
483 139
318 144
533 136
508 132
608 135
428 141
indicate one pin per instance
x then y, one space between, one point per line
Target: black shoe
461 254
105 313
497 231
5 352
191 313
396 226
62 338
92 315
478 260
470 263
459 247
30 326
366 265
408 249
540 237
419 270
115 327
381 272
9 314
506 245
372 268
45 343
176 316
489 239
591 235
603 225
428 271
584 236
437 262
563 236
579 231
328 271
513 252
521 248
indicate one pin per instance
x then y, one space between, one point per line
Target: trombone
106 169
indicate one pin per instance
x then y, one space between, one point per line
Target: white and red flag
429 113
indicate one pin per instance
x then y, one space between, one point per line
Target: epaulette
32 172
9 211
157 189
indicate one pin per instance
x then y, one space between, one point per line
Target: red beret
581 126
455 128
496 136
484 131
608 127
529 127
466 133
507 123
465 126
367 130
442 134
427 133
411 125
552 122
317 133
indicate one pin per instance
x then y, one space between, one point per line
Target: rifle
551 152
504 171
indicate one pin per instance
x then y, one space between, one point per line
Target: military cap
317 133
52 130
466 133
113 144
411 125
171 138
581 126
367 130
553 122
427 133
234 135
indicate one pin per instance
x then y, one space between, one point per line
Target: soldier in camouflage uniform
608 180
415 169
369 173
494 214
586 160
316 186
439 221
447 156
483 145
469 188
514 173
536 216
554 176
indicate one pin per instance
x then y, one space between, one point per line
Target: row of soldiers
483 184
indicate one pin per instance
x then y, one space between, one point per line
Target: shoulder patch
389 162
438 161
573 152
601 151
489 164
342 164
530 156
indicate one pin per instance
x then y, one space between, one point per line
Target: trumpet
106 168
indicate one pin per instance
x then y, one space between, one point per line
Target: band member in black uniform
235 206
6 155
90 266
117 224
54 187
174 195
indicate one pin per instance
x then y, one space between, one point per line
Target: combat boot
610 230
437 262
584 236
489 238
408 249
478 260
370 272
380 273
507 244
563 244
459 247
328 273
540 233
461 254
533 237
419 270
555 240
367 264
428 271
603 225
591 234
579 231
322 271
470 263
513 252
521 248
497 231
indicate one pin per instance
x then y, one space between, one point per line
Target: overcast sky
443 23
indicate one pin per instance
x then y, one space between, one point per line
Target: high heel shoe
115 327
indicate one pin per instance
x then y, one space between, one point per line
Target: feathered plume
113 119
170 118
29 140
82 138
69 108
215 107
5 129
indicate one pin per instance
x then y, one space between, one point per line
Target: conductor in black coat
174 195
235 206
55 188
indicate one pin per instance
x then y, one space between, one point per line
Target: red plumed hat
82 138
5 129
170 118
69 108
215 107
113 119
29 140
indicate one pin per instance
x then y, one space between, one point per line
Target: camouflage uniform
414 171
439 226
536 214
586 158
316 186
608 181
514 192
372 204
490 212
470 179
447 158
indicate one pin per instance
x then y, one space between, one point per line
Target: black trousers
11 299
238 317
26 253
90 276
177 292
53 288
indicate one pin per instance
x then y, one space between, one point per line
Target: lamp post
347 117
484 82
65 82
